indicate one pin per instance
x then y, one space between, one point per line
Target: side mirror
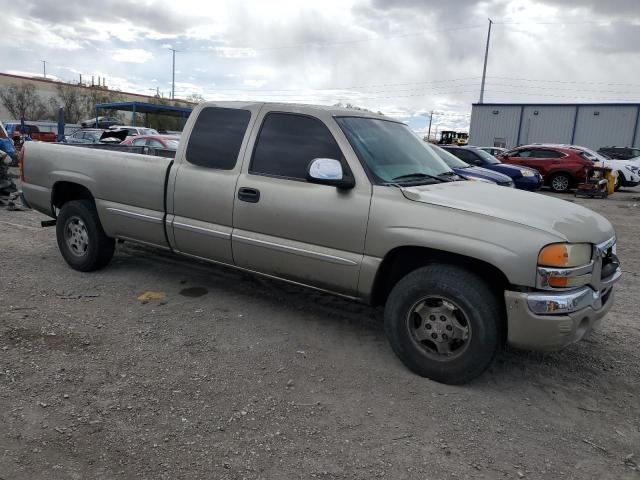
327 171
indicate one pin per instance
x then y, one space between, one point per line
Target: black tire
619 182
96 252
560 182
481 307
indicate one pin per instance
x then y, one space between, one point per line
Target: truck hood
565 220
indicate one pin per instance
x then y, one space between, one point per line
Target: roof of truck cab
302 108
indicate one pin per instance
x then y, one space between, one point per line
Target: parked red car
167 142
561 166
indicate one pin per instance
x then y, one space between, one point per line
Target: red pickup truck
561 166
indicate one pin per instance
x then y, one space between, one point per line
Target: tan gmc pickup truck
351 203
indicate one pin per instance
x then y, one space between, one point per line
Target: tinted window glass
466 155
217 136
287 143
546 154
522 154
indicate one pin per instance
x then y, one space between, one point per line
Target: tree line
23 101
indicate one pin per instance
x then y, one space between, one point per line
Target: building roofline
96 87
542 104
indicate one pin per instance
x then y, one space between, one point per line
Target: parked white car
628 170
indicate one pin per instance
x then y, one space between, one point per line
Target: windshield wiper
418 176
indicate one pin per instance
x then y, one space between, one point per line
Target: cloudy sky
402 57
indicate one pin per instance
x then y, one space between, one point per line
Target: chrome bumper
553 320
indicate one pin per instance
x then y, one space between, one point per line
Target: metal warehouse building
591 125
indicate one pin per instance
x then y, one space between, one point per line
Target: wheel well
569 174
64 192
403 260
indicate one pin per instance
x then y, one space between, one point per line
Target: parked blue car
524 178
469 172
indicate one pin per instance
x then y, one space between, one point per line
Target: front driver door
283 225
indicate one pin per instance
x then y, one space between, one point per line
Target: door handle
251 195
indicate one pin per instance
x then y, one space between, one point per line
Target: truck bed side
128 189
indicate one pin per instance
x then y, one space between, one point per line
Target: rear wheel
444 323
560 182
81 239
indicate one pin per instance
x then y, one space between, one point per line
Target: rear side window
467 156
217 136
287 143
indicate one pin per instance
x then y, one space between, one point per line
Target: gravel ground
231 377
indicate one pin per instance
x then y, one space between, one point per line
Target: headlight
564 265
527 173
565 255
632 168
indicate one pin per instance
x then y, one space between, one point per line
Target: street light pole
173 76
44 68
429 131
486 57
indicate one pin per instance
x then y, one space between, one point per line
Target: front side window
542 153
391 152
287 143
521 154
139 142
217 136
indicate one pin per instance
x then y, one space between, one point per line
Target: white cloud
133 55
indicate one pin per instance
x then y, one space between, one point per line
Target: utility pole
44 68
173 77
486 57
429 132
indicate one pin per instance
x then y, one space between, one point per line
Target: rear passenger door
283 225
200 193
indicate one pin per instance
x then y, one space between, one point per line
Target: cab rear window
217 136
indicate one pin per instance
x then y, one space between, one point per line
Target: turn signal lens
558 282
565 282
565 255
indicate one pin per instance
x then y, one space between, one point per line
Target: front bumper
530 184
569 316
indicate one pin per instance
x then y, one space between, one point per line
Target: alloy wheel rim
439 328
560 183
76 236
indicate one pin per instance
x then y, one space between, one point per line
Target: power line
572 82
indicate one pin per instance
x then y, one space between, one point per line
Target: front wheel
81 239
444 323
618 182
560 182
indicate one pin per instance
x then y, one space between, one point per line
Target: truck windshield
392 152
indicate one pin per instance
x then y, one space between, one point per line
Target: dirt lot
234 377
